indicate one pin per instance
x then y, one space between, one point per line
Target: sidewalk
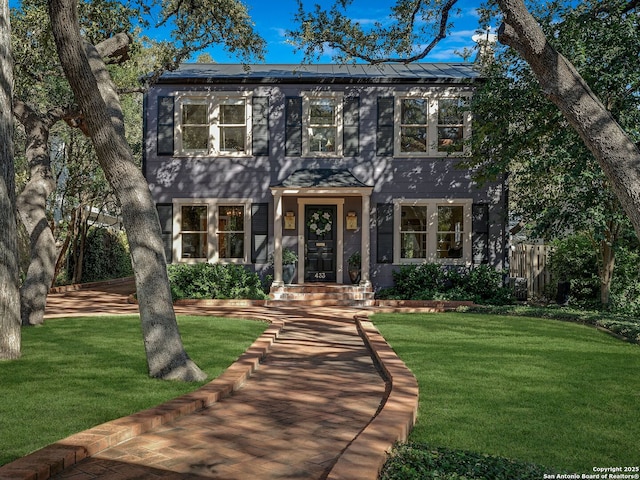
306 401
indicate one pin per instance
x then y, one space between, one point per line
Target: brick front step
322 295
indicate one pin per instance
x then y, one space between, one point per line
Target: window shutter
259 232
165 125
384 223
351 126
165 215
293 126
384 137
260 126
480 236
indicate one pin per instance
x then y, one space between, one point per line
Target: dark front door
320 236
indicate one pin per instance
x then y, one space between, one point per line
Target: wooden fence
529 262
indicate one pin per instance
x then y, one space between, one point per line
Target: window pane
194 245
413 139
450 139
414 219
414 111
232 139
231 245
195 138
232 114
450 230
322 140
450 111
413 245
194 114
194 218
322 111
231 219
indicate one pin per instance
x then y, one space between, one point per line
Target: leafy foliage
431 281
106 256
626 326
214 281
418 461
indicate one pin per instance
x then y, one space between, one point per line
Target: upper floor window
213 125
430 125
433 230
322 132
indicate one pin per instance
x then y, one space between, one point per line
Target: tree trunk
607 253
616 153
10 339
32 204
100 105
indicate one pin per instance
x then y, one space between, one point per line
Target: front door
320 238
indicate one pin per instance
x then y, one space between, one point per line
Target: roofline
298 75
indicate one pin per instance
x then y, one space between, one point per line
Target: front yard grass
76 373
557 394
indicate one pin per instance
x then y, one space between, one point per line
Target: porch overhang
327 183
321 181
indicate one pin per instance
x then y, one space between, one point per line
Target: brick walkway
316 406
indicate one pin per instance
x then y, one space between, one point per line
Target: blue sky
273 18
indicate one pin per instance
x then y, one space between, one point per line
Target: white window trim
213 100
432 230
212 205
338 97
432 118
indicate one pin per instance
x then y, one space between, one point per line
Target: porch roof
321 178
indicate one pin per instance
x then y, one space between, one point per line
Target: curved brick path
306 401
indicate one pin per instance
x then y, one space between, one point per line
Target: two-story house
326 160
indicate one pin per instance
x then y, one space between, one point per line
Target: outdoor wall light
289 221
352 221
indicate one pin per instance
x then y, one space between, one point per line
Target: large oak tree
412 21
9 293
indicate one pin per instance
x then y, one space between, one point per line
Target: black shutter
165 215
480 235
165 125
260 126
384 137
259 232
384 223
293 126
351 127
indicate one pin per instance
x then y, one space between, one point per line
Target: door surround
339 204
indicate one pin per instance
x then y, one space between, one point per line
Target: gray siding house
325 160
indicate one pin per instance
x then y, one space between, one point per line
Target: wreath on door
320 222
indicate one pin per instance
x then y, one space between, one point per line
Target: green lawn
557 394
79 372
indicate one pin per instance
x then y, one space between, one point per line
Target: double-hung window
451 124
430 124
432 230
322 134
212 230
213 125
231 228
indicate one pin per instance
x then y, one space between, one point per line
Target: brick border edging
367 453
54 458
84 286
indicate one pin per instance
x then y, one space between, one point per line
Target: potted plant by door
355 261
289 259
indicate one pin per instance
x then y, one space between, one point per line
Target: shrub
573 260
106 256
414 461
430 281
214 281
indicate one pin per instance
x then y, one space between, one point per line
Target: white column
366 241
277 242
